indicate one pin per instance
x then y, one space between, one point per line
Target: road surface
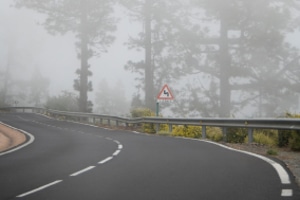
74 161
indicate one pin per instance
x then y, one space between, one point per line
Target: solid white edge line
283 175
116 152
39 188
82 171
31 139
105 160
286 193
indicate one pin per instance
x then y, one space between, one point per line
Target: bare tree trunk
149 71
84 62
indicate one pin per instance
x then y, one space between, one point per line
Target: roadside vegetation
267 137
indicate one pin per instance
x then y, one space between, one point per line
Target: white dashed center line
105 160
82 171
39 188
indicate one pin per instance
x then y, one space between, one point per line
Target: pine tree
92 23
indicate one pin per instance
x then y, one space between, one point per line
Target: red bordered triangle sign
165 93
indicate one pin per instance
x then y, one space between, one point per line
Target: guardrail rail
224 123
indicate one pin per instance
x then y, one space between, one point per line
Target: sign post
165 94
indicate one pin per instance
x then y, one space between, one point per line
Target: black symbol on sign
166 92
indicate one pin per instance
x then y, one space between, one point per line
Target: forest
221 58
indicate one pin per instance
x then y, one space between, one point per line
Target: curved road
74 161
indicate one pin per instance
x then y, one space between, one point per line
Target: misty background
39 69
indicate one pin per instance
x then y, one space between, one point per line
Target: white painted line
108 138
283 175
39 188
286 193
116 141
120 146
105 160
82 171
116 152
31 139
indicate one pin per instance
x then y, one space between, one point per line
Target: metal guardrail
224 123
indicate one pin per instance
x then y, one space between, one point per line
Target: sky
55 56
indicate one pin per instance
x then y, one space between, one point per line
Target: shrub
187 131
283 137
261 137
293 137
294 141
214 133
236 135
272 152
144 112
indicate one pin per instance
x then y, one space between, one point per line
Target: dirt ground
10 138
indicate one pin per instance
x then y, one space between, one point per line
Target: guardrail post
203 132
224 131
170 128
250 135
117 123
108 122
157 128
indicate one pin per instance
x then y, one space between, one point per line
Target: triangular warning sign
165 93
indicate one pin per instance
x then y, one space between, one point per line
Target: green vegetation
272 152
236 135
144 112
187 131
267 137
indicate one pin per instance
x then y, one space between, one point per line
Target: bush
144 112
293 137
261 137
214 133
236 135
294 141
187 131
283 138
272 152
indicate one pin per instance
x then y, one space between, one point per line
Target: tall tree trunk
225 90
84 61
149 71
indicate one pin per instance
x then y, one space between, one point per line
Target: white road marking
31 139
105 160
116 141
286 193
282 173
39 188
120 146
82 171
116 152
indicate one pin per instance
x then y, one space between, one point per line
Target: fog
28 50
55 56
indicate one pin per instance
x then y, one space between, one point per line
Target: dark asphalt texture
146 166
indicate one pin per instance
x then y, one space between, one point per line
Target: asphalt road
73 161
